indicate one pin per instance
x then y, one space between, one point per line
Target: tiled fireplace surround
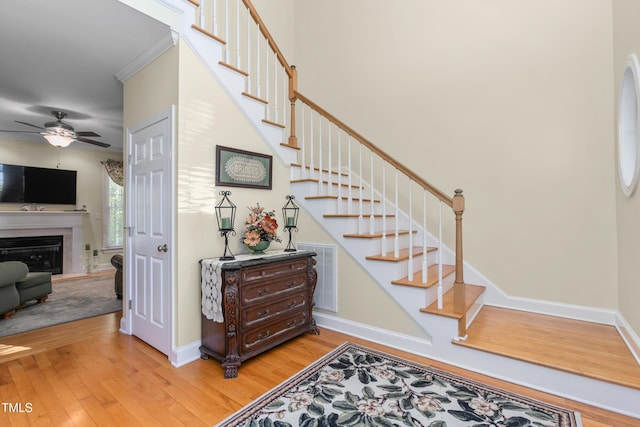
49 223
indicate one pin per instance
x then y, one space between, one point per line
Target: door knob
162 248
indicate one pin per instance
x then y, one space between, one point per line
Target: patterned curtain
115 170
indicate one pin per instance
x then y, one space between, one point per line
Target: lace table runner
211 271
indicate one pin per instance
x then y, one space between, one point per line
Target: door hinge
129 304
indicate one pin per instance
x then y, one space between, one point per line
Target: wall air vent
326 294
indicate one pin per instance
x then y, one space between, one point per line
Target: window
113 214
628 136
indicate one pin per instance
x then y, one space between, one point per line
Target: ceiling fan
60 134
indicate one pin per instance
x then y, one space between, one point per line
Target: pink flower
251 238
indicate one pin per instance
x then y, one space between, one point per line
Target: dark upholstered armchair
116 261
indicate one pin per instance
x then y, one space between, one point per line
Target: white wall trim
149 55
629 336
185 354
393 339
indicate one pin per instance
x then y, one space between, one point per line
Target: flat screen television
28 184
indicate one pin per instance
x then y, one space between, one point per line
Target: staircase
405 233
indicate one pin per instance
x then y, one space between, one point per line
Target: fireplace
67 224
40 253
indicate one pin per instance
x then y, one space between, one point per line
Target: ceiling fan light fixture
58 140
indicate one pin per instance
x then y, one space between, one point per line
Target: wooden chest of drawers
265 302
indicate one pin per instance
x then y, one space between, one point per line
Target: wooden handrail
267 35
433 190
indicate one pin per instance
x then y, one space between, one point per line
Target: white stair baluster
285 93
330 161
349 176
320 190
410 262
266 78
440 256
424 237
248 90
360 189
396 240
215 17
226 32
312 172
383 243
303 169
275 89
258 78
202 19
339 204
238 34
372 218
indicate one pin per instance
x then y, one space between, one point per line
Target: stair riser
363 225
401 269
432 292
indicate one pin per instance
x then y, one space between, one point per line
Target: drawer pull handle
263 274
262 292
291 285
291 323
263 313
292 304
264 335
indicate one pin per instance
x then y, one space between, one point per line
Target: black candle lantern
290 217
226 215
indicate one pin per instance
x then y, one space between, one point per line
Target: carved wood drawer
266 301
265 313
263 291
265 334
263 272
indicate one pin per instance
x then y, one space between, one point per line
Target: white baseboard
394 339
185 354
629 336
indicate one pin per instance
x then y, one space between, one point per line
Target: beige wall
626 14
90 179
510 101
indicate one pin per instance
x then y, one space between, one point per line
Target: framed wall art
239 168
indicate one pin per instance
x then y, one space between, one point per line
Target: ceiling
63 55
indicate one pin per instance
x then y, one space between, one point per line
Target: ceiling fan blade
28 124
89 133
18 131
91 141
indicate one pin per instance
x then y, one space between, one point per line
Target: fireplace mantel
68 224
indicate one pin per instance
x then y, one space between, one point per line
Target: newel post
293 88
459 298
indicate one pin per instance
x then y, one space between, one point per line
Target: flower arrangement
261 225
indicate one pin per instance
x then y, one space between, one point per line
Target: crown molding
169 39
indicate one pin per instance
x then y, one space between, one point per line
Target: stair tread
403 255
331 196
472 293
298 165
432 277
355 215
315 180
376 234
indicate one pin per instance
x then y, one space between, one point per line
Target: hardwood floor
86 373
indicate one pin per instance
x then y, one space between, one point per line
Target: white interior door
150 233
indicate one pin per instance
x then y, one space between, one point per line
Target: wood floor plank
114 379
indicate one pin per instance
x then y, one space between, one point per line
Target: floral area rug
357 386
